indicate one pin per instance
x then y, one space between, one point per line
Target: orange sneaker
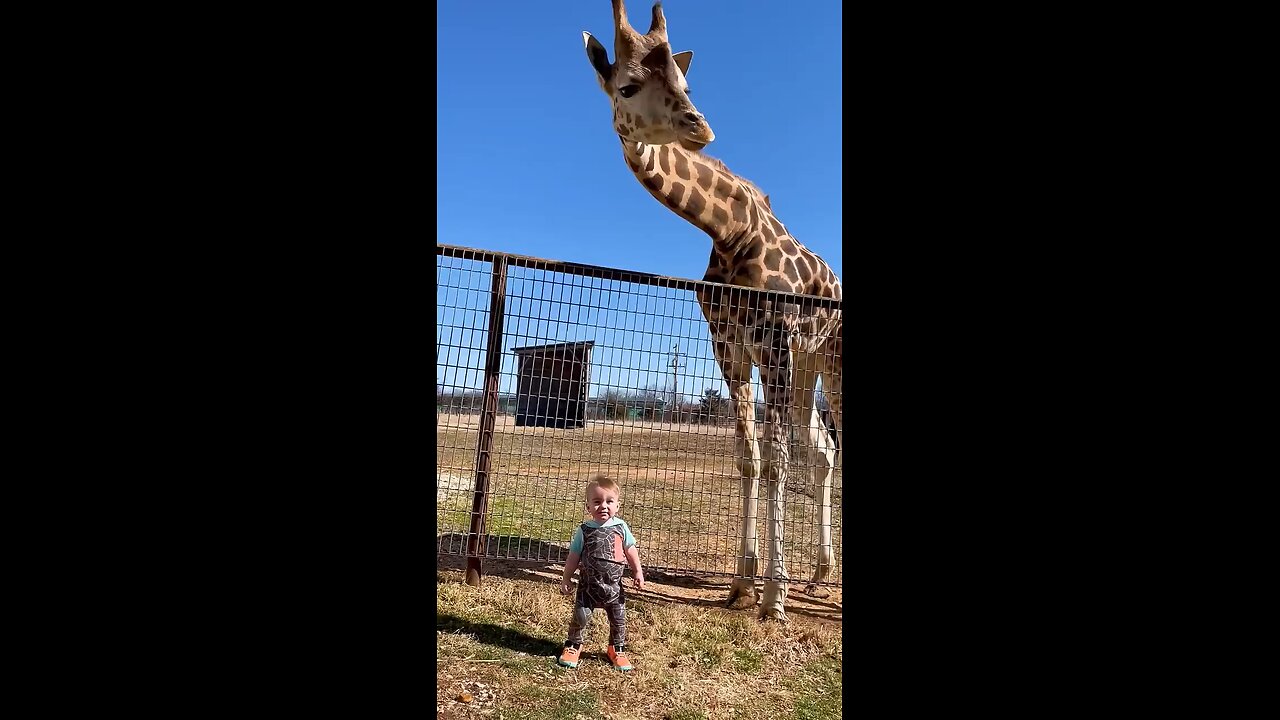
619 660
569 658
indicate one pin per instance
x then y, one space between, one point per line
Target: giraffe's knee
774 468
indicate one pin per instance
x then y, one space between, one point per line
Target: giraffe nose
693 118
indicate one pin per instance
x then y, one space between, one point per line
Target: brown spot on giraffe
727 189
682 166
706 176
696 203
772 259
803 273
676 196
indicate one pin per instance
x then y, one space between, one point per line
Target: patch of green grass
524 665
747 661
512 516
817 689
707 645
551 705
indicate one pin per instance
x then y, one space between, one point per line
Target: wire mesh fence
548 372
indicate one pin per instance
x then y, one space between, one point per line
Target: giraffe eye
629 90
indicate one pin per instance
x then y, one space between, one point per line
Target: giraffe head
646 84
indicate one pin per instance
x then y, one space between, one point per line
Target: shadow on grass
451 549
542 570
498 636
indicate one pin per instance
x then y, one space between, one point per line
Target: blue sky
528 164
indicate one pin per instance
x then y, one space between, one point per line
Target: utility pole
675 381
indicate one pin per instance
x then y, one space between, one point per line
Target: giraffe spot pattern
706 175
664 157
682 166
789 270
697 203
803 273
677 194
719 216
777 282
726 189
772 259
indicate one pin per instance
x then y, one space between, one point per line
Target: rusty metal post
477 541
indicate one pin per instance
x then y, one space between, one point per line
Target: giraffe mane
719 164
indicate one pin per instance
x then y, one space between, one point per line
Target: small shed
551 384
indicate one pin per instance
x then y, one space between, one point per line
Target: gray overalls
600 583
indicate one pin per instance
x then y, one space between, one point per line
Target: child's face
602 504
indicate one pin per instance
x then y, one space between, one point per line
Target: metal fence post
477 542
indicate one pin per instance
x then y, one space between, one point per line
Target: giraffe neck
710 198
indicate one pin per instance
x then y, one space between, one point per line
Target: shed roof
541 349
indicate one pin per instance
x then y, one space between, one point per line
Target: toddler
601 545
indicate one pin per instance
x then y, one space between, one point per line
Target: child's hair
604 483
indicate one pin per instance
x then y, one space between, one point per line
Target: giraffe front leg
775 473
821 452
831 381
776 373
826 554
742 593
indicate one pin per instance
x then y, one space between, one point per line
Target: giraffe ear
598 57
766 202
682 61
657 58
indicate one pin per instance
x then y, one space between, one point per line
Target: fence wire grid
548 372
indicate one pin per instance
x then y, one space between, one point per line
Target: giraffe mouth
691 144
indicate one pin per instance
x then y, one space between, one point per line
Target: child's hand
566 587
639 581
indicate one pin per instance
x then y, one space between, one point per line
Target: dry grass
682 494
499 642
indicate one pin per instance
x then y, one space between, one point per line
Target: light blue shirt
628 540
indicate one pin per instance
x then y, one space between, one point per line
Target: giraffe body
661 135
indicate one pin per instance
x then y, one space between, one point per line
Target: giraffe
662 135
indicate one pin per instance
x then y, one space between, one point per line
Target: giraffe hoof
739 600
816 591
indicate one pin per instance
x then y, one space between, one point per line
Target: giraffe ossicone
662 133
